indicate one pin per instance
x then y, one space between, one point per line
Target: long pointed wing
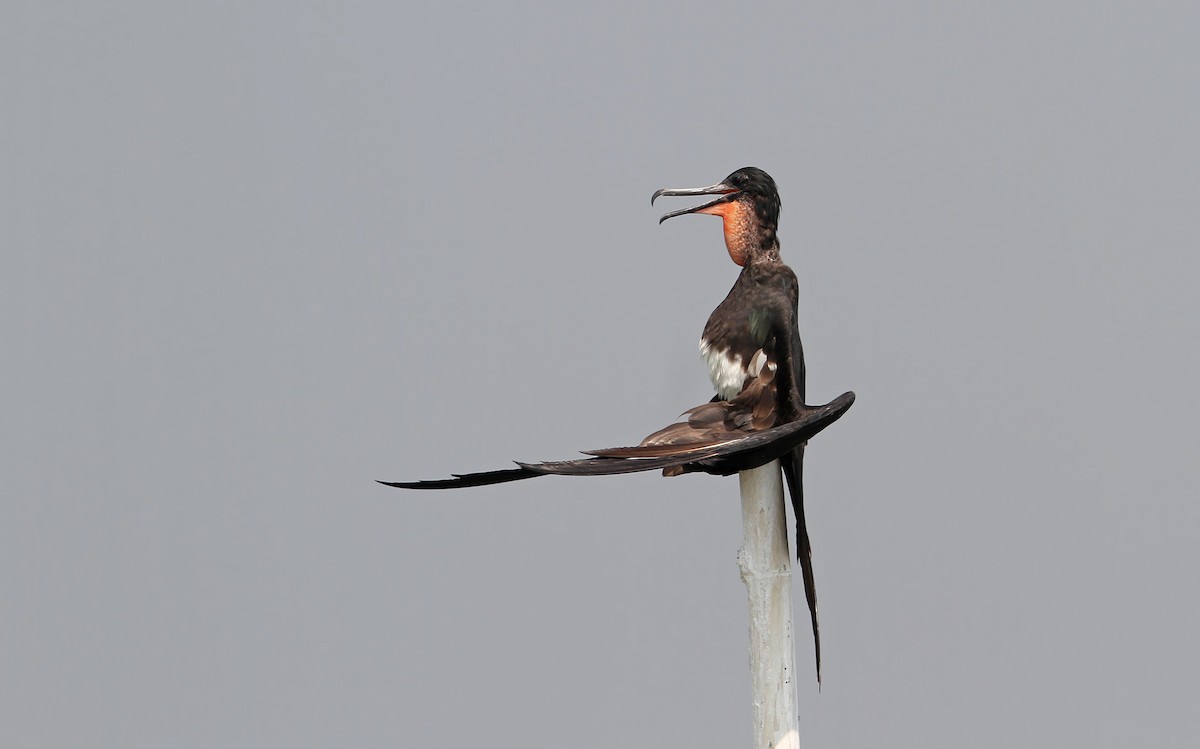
462 480
724 458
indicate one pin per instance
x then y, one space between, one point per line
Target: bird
742 366
751 345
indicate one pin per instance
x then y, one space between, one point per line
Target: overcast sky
254 256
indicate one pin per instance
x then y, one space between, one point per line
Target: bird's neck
763 252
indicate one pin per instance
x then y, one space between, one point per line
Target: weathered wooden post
766 568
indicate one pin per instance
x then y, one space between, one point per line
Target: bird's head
748 206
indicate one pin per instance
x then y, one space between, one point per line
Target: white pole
766 569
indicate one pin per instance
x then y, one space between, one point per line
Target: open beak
727 192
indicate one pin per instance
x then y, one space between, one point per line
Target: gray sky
256 255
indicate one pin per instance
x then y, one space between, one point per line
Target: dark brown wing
791 392
463 480
723 457
739 453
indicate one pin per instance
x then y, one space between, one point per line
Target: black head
758 186
749 206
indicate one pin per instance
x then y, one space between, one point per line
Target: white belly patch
726 372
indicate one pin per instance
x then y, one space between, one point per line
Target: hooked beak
727 192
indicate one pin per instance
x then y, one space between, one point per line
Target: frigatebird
738 361
751 344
